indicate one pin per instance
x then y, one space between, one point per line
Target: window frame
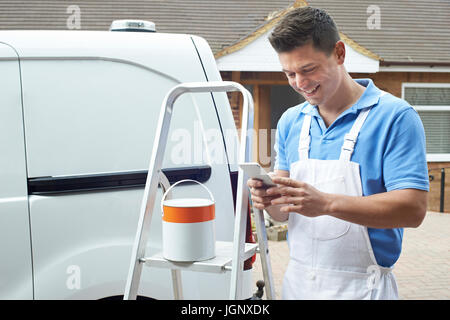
431 157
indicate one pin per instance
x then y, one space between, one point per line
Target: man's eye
291 75
308 70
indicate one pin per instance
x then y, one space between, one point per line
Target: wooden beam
261 139
236 99
257 111
264 82
269 76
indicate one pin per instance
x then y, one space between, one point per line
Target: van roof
72 43
164 52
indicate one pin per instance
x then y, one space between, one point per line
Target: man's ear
339 51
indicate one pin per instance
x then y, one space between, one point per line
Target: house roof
410 31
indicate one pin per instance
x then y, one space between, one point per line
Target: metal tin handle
181 181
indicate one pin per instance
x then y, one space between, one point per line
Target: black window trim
111 181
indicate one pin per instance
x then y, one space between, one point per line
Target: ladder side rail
149 196
264 254
177 286
241 202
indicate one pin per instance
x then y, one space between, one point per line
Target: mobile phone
255 171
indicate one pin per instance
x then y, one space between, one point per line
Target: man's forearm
394 209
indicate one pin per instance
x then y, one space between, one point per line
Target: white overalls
332 258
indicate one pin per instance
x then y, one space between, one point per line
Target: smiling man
350 167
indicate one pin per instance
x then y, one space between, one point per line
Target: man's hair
303 26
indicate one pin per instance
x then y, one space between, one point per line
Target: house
403 46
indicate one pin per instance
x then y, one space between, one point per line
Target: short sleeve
404 158
281 162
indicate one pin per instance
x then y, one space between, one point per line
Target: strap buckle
304 143
349 142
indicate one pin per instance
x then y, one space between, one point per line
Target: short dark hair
302 26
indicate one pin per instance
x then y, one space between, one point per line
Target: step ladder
230 256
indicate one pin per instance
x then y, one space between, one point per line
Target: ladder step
220 263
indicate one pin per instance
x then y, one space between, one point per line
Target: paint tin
188 227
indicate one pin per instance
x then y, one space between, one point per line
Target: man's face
312 73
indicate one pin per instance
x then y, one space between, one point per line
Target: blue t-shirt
390 151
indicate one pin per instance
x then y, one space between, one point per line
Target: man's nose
299 81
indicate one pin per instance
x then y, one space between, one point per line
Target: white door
15 248
86 120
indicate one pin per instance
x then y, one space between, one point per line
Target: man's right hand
261 200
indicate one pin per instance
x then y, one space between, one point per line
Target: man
351 169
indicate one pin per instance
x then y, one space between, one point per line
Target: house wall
434 197
392 81
261 83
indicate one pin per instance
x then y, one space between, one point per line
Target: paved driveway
422 272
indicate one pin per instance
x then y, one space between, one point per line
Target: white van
78 113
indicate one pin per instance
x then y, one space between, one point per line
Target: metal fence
438 186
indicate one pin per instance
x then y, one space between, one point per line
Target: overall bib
332 258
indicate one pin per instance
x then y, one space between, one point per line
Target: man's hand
394 209
299 197
261 200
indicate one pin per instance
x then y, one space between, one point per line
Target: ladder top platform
220 263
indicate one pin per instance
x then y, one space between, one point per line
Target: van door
15 246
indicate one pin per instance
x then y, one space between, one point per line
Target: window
282 97
432 102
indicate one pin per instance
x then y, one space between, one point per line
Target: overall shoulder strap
350 138
305 139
